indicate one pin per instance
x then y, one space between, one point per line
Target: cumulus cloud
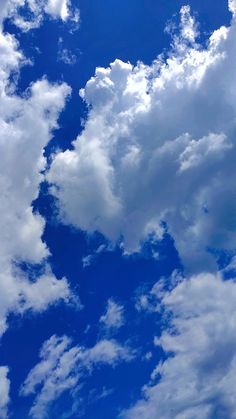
26 125
158 145
63 366
4 392
197 380
113 318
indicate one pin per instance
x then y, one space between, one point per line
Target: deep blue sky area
131 30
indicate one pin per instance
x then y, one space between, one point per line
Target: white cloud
197 380
37 10
107 352
158 144
87 260
26 125
114 315
232 6
4 392
66 57
58 8
91 258
63 366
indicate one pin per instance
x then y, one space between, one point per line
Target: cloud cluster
197 380
159 145
63 366
26 125
36 10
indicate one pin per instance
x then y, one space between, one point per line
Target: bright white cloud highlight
198 378
158 144
63 366
58 8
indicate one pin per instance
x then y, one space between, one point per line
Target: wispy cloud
63 366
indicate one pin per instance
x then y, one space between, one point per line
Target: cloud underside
158 145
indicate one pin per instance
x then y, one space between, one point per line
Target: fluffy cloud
63 366
158 144
197 380
58 8
114 315
26 125
4 392
36 11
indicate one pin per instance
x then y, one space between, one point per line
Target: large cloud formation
159 145
26 127
197 380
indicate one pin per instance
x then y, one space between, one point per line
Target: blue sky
117 178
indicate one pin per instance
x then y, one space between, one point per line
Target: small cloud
148 356
65 55
114 315
87 260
